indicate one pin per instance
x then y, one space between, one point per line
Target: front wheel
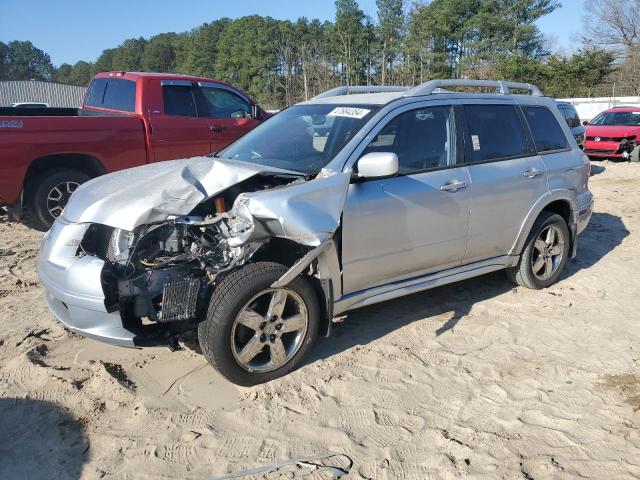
51 194
545 253
254 333
635 155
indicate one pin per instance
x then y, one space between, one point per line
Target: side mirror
378 165
256 112
585 122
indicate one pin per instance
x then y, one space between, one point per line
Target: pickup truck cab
127 120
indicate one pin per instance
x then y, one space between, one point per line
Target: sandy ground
474 380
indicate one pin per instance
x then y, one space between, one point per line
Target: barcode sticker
350 112
475 140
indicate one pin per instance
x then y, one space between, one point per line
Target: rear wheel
545 253
51 194
254 333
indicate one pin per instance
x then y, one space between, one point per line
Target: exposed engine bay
164 272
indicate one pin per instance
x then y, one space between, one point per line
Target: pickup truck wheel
51 194
545 253
254 333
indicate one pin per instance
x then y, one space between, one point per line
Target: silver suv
361 195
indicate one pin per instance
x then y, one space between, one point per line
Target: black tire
635 155
39 205
229 298
522 274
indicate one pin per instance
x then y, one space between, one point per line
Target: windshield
617 118
303 138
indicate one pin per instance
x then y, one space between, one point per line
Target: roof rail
345 90
502 88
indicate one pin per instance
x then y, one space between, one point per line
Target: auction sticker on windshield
351 112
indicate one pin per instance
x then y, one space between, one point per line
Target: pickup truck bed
127 120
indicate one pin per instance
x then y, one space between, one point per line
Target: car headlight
119 245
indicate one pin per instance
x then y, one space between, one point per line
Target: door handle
216 128
532 173
453 186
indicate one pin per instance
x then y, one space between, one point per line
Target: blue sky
72 30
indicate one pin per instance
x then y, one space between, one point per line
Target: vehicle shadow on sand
596 169
39 440
604 234
367 324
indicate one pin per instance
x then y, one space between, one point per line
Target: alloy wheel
269 330
548 251
58 197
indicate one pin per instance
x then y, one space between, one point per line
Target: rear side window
179 101
546 130
573 120
495 131
112 93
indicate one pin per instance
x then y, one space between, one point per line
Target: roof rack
502 88
340 91
434 86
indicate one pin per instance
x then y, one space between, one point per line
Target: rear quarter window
112 93
573 119
495 132
546 131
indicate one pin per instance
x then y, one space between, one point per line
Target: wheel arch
559 202
82 162
318 265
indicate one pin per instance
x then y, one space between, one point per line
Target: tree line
280 62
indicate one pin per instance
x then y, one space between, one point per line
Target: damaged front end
160 276
136 267
163 272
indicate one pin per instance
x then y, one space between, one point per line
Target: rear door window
546 131
179 101
494 132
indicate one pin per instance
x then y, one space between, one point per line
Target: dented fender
307 213
327 267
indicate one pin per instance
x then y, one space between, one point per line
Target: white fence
55 94
588 108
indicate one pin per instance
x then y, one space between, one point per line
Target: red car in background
614 133
127 119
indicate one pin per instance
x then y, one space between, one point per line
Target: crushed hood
152 193
305 212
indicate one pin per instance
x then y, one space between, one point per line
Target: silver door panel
503 193
402 227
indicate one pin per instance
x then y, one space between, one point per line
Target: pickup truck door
228 113
178 131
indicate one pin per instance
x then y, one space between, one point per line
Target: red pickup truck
127 119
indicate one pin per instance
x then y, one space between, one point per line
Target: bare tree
613 24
